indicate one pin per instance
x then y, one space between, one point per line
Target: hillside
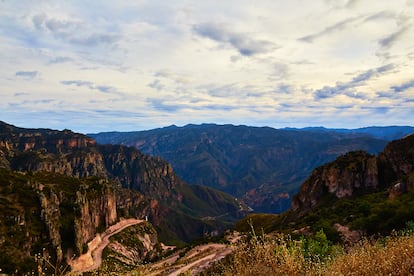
264 166
357 194
59 189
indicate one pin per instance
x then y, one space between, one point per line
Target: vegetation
373 213
27 223
239 159
316 255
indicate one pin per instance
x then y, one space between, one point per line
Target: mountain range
59 189
261 165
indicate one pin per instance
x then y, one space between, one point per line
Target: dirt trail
219 251
92 259
194 261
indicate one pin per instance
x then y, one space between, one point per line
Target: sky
94 66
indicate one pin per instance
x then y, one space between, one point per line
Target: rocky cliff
63 152
77 189
50 215
132 247
347 175
357 194
358 172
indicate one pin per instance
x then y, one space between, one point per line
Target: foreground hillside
264 166
352 216
59 189
393 255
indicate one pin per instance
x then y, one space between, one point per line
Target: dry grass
275 256
282 256
395 256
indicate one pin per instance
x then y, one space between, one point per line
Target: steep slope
356 172
69 189
50 215
265 166
356 192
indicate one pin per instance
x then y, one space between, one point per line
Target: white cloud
278 63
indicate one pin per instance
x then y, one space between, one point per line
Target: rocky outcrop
79 188
397 160
135 245
358 172
50 214
347 175
98 210
151 176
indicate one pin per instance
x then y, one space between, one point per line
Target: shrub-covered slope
372 195
59 189
265 166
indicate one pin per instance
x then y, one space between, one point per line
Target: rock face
358 172
97 211
51 215
135 245
68 189
151 176
397 159
63 152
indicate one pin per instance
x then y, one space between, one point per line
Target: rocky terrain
59 189
263 166
358 172
357 194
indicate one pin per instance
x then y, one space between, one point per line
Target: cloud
74 31
242 42
156 84
389 40
21 94
58 27
329 30
60 60
234 90
285 89
78 83
348 88
27 74
352 3
403 87
99 49
280 71
195 105
160 104
381 16
92 86
377 109
95 39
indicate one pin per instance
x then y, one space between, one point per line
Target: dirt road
195 260
217 252
92 259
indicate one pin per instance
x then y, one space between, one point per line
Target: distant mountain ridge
263 165
388 133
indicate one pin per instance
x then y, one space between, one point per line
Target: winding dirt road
92 259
